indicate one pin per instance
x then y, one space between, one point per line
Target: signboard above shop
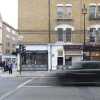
72 47
87 47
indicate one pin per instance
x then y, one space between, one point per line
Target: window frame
90 14
67 6
60 39
60 9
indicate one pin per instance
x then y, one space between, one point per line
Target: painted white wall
18 62
55 49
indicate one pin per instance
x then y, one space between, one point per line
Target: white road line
37 86
21 85
13 91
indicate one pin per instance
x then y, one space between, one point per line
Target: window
98 12
68 60
8 29
13 32
0 24
13 45
8 44
69 11
68 35
7 36
7 51
60 11
92 11
98 35
60 53
60 34
92 34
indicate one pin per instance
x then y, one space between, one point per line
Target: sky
9 12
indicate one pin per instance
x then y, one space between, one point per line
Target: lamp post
84 12
49 30
49 14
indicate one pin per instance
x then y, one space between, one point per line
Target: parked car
80 72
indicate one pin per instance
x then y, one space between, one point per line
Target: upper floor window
60 10
68 10
92 11
98 11
7 44
7 51
0 24
92 34
8 29
68 35
98 35
60 34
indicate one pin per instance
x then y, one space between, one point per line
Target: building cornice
9 26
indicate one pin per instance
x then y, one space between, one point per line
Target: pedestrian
4 65
10 67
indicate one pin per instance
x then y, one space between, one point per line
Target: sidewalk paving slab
27 74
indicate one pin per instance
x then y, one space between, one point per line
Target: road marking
21 85
13 91
35 86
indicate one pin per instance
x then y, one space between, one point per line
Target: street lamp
49 15
49 29
84 12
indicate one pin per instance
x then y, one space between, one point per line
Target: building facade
63 26
8 39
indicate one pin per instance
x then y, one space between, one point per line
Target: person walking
10 67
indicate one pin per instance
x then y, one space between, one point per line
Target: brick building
59 26
8 39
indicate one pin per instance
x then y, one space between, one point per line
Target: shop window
68 60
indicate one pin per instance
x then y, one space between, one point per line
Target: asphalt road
43 89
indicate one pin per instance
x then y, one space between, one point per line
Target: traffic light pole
21 50
20 64
84 12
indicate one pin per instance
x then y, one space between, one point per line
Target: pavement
16 73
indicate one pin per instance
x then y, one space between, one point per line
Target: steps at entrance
34 67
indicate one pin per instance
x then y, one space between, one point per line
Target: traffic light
21 48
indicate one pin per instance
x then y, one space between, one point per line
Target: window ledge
64 18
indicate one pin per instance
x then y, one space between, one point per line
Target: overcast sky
9 11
